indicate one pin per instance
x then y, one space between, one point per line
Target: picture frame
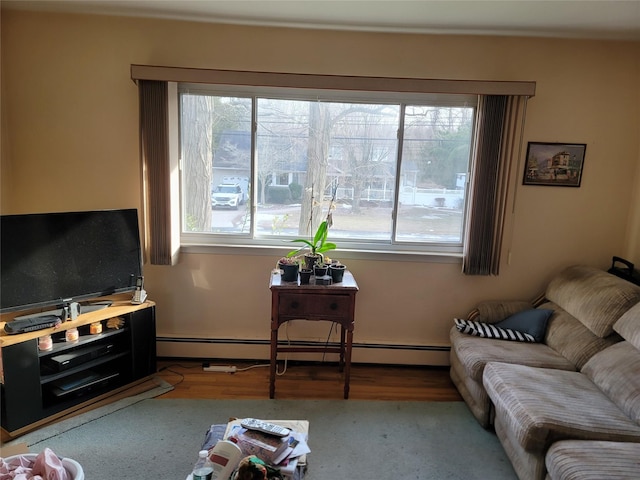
554 164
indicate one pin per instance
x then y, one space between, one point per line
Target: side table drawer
327 307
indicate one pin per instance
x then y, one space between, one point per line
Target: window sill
342 253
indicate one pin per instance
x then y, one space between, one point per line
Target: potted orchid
318 244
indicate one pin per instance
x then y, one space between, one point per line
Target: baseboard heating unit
374 353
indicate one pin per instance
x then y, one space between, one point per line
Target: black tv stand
44 385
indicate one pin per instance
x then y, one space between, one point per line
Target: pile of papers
289 455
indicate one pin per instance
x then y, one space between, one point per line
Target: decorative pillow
532 321
488 330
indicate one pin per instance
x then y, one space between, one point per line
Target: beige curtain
154 144
497 148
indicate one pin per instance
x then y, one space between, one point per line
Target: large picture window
261 168
265 156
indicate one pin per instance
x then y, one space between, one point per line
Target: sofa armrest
495 311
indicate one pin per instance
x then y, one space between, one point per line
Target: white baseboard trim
385 354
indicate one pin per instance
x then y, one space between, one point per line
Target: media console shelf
38 386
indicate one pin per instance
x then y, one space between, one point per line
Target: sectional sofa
568 395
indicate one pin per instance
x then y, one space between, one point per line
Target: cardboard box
10 450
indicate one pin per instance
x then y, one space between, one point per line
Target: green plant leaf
326 247
307 243
321 234
302 240
319 243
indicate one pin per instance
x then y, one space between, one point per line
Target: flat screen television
47 259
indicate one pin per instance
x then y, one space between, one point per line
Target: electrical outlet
220 368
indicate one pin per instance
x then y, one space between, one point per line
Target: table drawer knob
333 306
295 304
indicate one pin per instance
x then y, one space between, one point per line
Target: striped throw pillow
487 330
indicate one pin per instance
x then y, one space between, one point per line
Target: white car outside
227 195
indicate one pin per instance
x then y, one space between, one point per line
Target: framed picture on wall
554 164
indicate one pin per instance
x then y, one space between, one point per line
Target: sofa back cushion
493 311
594 297
629 326
616 371
571 339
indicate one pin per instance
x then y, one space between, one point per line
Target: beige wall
69 141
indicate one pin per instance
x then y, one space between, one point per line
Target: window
497 133
264 167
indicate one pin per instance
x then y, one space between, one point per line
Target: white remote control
265 427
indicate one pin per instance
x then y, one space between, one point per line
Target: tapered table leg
272 370
347 363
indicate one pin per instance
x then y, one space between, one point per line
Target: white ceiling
605 19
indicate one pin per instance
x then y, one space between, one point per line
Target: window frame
190 240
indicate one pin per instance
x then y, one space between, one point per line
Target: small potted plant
318 244
320 269
289 267
305 276
336 270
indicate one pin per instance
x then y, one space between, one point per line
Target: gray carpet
349 439
41 435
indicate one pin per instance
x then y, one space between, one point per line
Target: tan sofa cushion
571 339
593 296
629 326
475 352
616 371
493 311
540 406
593 460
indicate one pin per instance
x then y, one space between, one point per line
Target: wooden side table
333 303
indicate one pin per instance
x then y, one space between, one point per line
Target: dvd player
82 382
82 355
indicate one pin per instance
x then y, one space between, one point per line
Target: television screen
48 258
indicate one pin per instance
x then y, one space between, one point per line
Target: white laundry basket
73 468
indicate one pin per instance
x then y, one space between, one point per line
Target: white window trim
191 240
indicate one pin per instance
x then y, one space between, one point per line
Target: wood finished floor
308 381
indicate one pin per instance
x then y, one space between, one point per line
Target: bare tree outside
197 147
368 142
205 120
320 124
281 139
